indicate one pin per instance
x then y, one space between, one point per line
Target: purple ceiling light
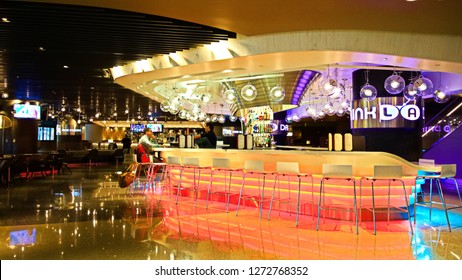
305 79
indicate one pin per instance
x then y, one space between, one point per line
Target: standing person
144 146
126 144
207 139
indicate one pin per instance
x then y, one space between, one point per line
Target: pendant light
249 92
394 84
368 91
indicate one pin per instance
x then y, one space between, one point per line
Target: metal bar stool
288 170
337 172
448 171
152 174
253 167
173 163
390 173
193 165
221 165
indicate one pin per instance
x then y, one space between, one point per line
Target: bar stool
173 163
390 173
140 177
448 171
221 165
289 169
193 165
152 174
336 172
253 167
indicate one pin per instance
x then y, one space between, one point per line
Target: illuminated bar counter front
310 162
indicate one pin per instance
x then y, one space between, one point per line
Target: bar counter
310 161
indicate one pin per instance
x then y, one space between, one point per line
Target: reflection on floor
85 215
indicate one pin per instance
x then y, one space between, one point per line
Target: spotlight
394 84
232 118
277 94
214 118
249 92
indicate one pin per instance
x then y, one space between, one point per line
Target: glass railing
443 124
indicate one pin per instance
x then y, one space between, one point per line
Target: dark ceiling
51 53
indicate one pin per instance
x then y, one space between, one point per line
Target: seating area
28 166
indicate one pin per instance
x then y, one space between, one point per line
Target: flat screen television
26 111
46 133
155 127
23 237
136 127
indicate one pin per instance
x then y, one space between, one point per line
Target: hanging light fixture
249 92
327 85
221 119
230 95
182 114
411 92
394 84
164 106
277 94
368 91
424 85
440 95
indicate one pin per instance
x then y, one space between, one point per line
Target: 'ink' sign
385 112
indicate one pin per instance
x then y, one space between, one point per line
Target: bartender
207 139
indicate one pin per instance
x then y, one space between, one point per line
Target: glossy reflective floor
87 216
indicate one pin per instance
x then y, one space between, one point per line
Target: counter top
309 160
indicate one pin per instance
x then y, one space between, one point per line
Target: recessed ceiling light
227 71
5 19
384 59
41 49
65 66
411 0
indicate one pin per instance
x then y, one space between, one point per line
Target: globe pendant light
394 84
221 119
368 92
440 95
249 92
165 106
424 85
277 94
411 92
230 95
